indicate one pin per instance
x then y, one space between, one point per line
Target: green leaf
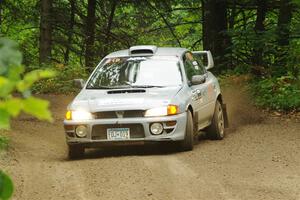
47 73
6 87
12 106
6 186
37 107
14 73
4 119
33 76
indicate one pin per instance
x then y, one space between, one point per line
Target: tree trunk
259 29
232 16
0 15
283 33
109 25
215 23
284 21
70 31
90 34
45 31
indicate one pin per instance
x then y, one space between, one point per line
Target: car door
210 90
199 94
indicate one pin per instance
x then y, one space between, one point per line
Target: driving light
156 128
81 131
172 110
162 111
79 115
68 115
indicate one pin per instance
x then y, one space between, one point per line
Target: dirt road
258 159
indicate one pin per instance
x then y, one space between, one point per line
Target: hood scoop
125 91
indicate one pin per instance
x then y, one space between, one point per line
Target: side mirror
198 79
207 56
79 83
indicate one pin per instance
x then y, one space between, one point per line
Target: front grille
99 132
113 114
105 115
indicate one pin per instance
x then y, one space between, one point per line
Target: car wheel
75 151
216 130
188 143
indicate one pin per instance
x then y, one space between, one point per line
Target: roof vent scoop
143 49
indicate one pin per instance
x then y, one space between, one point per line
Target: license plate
118 133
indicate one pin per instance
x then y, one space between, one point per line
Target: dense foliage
257 37
62 83
277 93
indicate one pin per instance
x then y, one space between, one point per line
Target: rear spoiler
210 60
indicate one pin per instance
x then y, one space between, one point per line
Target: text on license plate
118 133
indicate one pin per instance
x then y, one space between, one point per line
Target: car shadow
163 148
120 151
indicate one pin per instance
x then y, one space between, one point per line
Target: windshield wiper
124 87
147 86
109 87
98 87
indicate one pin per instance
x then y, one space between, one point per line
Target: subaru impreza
146 94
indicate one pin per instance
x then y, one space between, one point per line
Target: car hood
133 99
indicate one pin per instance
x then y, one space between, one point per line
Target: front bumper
171 133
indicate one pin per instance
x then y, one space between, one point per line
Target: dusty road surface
258 159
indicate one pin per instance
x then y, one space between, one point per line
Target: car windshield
136 72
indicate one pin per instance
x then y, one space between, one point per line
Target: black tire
75 151
188 143
216 130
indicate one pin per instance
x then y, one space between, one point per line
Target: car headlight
79 115
162 111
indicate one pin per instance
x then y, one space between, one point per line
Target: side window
199 59
192 66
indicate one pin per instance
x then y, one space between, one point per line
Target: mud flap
195 120
226 123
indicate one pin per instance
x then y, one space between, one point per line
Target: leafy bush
12 81
281 93
63 82
293 64
15 97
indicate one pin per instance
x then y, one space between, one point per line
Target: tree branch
165 21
